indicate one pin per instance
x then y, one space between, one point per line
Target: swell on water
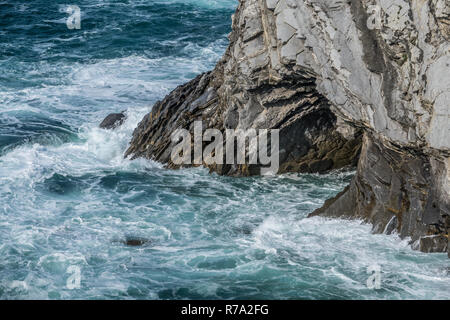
69 198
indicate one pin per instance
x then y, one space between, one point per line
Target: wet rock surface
132 241
397 191
431 244
136 242
113 121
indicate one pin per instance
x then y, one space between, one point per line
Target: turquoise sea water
68 198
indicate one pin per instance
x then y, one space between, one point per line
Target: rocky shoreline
342 92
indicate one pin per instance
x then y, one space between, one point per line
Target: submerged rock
113 120
134 241
312 139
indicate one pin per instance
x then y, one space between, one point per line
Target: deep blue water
68 198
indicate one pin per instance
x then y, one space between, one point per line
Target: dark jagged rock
322 74
396 190
136 242
133 241
113 120
309 137
317 146
183 106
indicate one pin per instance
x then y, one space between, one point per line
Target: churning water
69 199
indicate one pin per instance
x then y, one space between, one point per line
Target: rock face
323 71
308 129
397 191
244 92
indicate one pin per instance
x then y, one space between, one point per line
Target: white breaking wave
73 204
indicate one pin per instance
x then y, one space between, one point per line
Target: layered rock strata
322 71
244 92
